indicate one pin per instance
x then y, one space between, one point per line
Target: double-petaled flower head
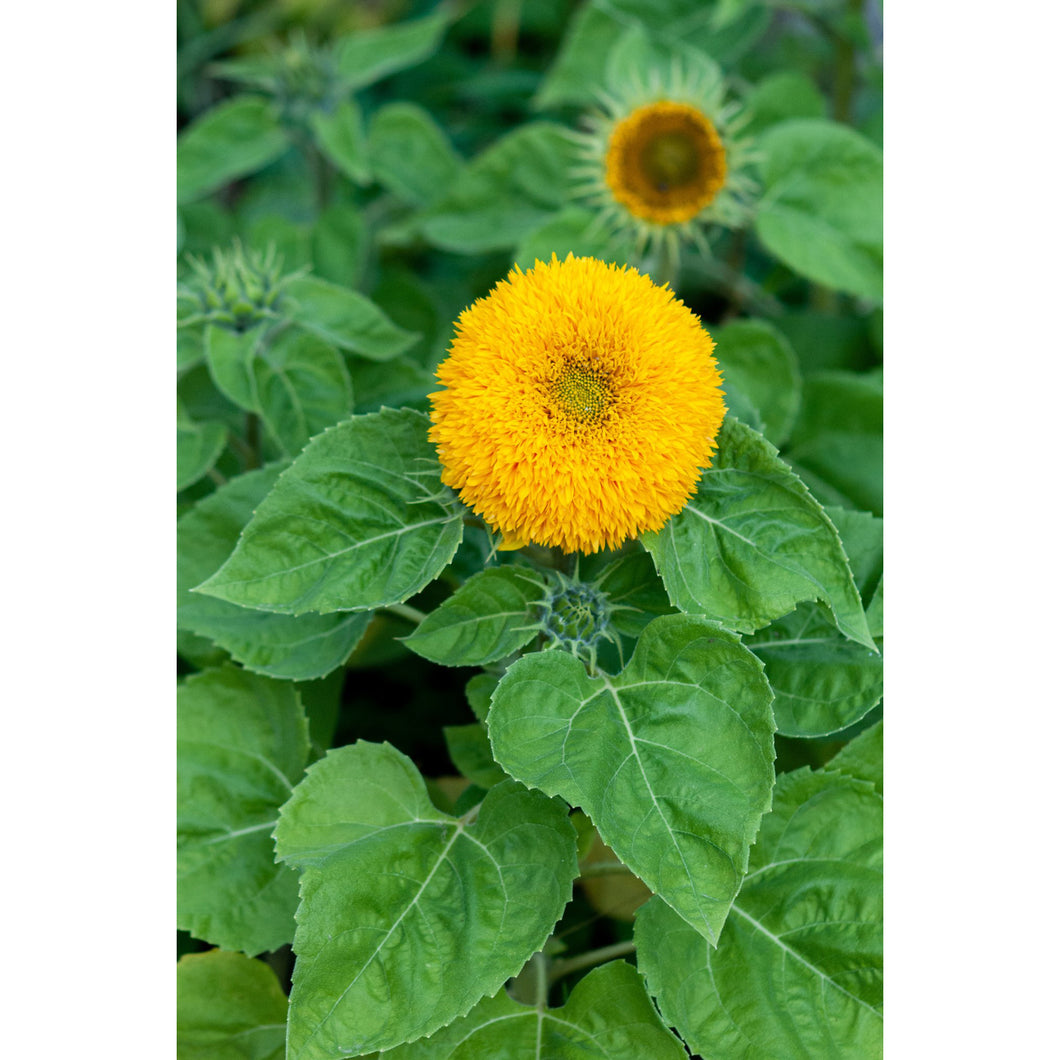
661 158
580 403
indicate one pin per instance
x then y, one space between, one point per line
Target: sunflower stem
587 960
669 263
412 614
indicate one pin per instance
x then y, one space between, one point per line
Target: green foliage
608 1015
799 969
752 543
355 523
242 743
429 778
408 916
229 1007
692 703
822 204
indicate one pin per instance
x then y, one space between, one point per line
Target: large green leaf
821 210
358 521
505 193
798 970
345 319
574 231
490 616
759 361
839 435
608 1016
781 96
823 682
229 1007
364 57
284 646
242 743
752 543
411 154
229 357
408 916
672 759
236 138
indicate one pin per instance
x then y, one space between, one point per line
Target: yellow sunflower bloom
661 159
580 403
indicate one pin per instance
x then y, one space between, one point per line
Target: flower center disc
583 393
665 162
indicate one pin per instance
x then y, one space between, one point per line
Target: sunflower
661 161
580 403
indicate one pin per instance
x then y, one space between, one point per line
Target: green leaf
346 319
302 387
237 137
282 646
339 243
490 616
364 57
198 447
409 916
823 683
190 347
757 359
505 193
862 537
229 356
608 1016
862 758
340 136
821 211
411 154
578 71
358 521
469 749
242 744
798 971
839 435
229 1007
782 96
672 759
752 543
479 690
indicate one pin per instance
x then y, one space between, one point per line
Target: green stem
413 614
216 477
845 76
253 441
603 868
504 33
593 957
540 981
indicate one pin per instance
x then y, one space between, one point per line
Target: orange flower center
665 162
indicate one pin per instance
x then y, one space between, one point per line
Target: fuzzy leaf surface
672 759
798 970
608 1015
229 1007
346 319
358 521
242 744
293 648
408 916
490 616
233 139
752 543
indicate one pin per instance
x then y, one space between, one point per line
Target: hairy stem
413 614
